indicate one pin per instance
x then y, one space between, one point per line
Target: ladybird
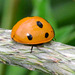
32 31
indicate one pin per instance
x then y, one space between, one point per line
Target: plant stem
52 57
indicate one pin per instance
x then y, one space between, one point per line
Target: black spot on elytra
46 35
29 36
39 24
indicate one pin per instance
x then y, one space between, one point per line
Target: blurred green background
59 13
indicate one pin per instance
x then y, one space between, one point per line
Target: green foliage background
59 13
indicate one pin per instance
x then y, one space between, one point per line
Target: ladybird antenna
31 48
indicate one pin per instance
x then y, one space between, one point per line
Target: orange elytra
32 30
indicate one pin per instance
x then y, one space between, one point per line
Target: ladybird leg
31 48
38 48
54 39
